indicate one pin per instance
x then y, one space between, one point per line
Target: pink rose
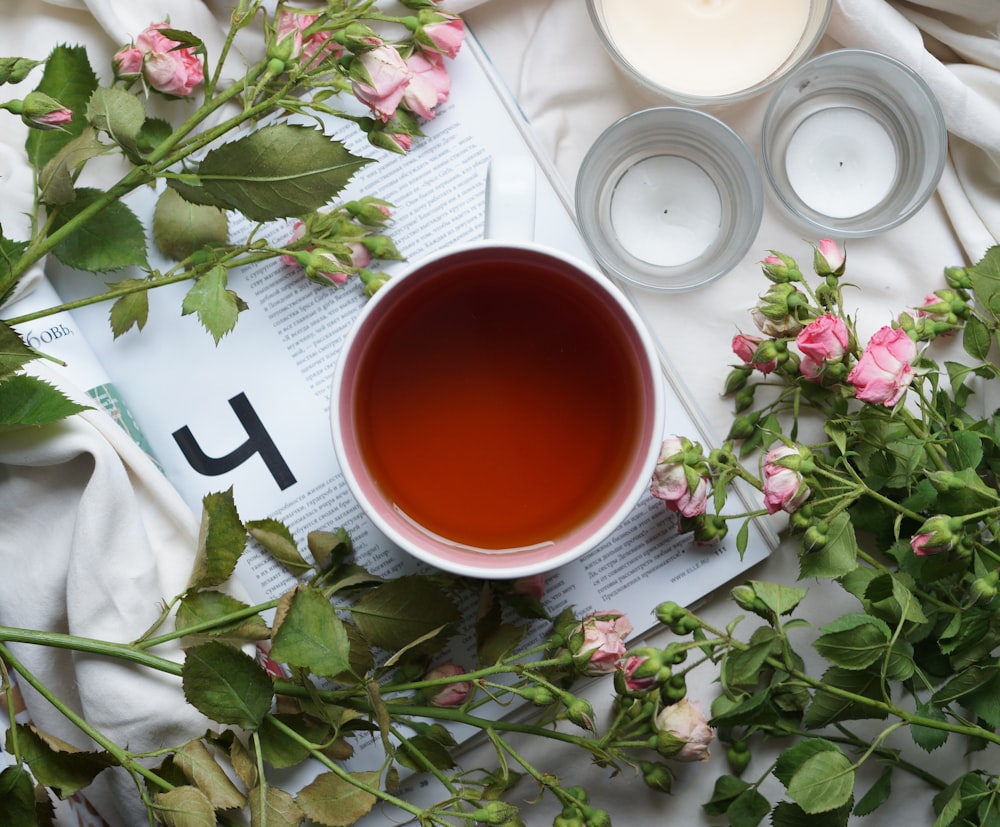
443 33
311 48
451 694
598 642
166 68
745 347
784 487
686 722
823 340
298 230
380 77
336 270
429 84
670 482
885 369
637 683
828 258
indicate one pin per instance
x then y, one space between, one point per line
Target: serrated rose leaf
205 607
221 542
226 685
111 239
181 228
129 311
216 306
854 641
118 113
400 611
273 807
55 181
278 171
185 807
336 802
202 770
824 782
278 541
311 636
56 764
28 401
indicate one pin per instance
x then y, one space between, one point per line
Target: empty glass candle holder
854 143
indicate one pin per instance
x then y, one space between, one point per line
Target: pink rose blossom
633 683
601 641
380 80
885 369
445 34
745 346
298 230
166 68
822 341
429 85
313 48
452 694
829 258
686 722
670 482
784 487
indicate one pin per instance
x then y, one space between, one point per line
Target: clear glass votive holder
854 143
697 53
669 198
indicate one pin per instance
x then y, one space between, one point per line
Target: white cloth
94 538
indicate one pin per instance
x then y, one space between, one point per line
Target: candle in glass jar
841 162
665 210
706 47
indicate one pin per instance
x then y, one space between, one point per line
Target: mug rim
506 564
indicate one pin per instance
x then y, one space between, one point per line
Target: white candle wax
665 210
841 162
706 47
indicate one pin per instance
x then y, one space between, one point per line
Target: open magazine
253 412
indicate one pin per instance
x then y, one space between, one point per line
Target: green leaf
279 749
780 599
57 765
211 607
217 307
55 181
743 668
69 78
824 782
185 807
976 338
792 758
394 614
204 772
837 557
829 707
181 228
925 737
788 814
131 310
727 789
748 809
967 449
416 752
14 353
336 802
118 113
311 636
985 278
278 541
111 239
17 797
26 401
853 641
221 542
226 684
278 171
274 807
877 794
965 683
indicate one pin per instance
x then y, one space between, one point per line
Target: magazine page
252 412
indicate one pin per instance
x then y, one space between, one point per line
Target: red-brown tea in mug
500 405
